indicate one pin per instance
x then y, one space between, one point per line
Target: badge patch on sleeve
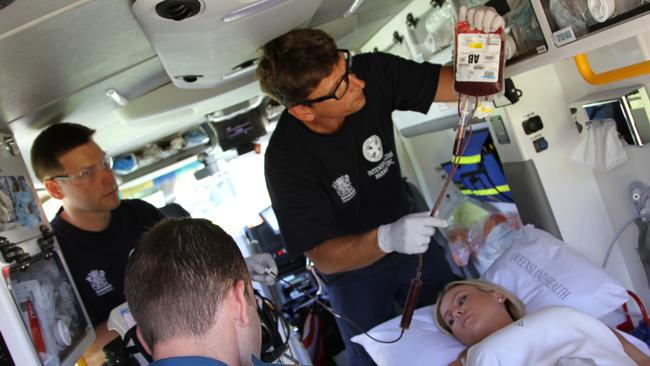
344 188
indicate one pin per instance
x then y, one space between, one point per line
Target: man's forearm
346 253
445 91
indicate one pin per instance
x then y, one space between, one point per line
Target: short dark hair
293 64
55 141
178 275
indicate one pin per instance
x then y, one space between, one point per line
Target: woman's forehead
449 296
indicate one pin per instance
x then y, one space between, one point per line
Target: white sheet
549 337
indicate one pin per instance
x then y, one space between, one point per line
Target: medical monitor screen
240 130
269 217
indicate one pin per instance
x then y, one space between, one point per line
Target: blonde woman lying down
492 323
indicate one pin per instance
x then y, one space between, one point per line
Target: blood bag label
478 57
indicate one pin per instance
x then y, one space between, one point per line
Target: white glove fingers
488 17
421 248
430 221
462 14
438 222
257 278
421 214
475 17
497 22
428 231
269 263
269 280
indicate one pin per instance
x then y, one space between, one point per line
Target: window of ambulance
232 197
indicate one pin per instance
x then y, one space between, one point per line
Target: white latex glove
483 18
410 234
258 267
511 47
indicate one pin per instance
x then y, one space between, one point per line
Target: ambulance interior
170 88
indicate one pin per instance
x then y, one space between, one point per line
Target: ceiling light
118 98
353 8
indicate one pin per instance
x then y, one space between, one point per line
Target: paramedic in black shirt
334 177
95 229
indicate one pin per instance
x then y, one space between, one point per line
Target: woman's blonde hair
514 306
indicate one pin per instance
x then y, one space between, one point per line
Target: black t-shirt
324 186
97 260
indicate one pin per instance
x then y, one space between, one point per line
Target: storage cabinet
544 30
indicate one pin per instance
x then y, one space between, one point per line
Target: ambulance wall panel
426 153
613 184
572 190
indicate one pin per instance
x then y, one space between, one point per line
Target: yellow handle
81 362
611 76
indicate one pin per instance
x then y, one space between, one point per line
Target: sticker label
478 57
564 36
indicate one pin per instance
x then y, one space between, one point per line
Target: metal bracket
46 241
640 197
12 252
411 21
9 144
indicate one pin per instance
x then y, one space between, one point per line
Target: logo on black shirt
98 281
373 151
344 188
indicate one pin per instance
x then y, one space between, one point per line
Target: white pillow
421 344
543 271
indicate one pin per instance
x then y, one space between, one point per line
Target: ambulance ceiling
58 58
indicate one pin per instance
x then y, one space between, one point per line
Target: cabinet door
571 20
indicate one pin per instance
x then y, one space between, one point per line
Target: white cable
611 245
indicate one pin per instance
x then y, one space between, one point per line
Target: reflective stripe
462 160
487 191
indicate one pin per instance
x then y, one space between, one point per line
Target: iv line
466 108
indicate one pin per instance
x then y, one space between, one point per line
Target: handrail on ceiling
611 76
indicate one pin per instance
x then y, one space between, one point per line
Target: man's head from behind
74 168
188 288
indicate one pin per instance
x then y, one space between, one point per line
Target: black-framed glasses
88 174
340 89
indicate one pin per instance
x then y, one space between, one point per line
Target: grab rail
626 72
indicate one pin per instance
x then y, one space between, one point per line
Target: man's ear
302 112
54 189
242 302
144 344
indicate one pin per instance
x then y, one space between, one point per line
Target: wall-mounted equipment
510 95
231 32
241 131
43 320
532 125
628 107
164 152
540 144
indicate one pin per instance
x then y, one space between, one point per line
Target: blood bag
479 61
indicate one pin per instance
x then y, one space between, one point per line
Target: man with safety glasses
95 230
333 173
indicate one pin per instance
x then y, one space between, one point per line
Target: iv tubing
466 108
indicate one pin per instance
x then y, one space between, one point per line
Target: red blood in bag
478 88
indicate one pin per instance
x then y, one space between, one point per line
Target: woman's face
473 314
